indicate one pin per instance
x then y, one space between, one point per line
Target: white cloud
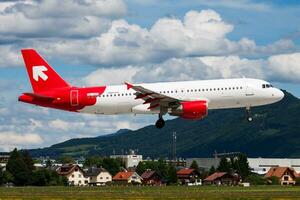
201 33
10 139
59 124
111 76
55 18
237 4
10 57
198 34
69 8
283 67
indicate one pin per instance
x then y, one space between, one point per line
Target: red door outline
74 97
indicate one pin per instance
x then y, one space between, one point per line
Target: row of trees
167 171
20 171
237 164
112 165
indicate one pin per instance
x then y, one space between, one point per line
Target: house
151 178
127 177
186 176
222 178
98 176
286 175
74 174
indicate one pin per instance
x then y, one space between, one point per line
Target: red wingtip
129 86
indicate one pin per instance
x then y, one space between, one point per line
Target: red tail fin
42 77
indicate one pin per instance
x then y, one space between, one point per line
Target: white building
130 160
257 165
262 165
98 176
74 174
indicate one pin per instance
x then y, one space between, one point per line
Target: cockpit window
267 86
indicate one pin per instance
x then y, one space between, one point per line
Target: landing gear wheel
160 123
249 119
248 115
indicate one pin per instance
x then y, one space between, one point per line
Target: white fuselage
220 94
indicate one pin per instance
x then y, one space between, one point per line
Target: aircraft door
74 98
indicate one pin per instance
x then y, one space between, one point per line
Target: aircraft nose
278 94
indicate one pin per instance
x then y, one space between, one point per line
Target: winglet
129 86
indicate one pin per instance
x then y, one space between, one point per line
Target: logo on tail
38 71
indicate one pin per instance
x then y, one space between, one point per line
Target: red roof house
222 178
286 175
129 177
187 175
151 178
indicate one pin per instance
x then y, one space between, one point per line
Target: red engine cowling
194 109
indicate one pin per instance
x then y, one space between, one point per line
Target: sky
111 41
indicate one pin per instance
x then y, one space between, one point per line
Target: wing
153 98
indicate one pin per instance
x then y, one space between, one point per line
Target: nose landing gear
249 115
160 123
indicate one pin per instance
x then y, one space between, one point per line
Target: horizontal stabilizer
39 97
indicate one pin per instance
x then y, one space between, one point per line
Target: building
186 176
4 158
286 175
222 178
263 165
74 174
257 165
127 177
98 176
151 178
131 160
204 163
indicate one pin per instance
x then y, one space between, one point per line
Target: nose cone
277 95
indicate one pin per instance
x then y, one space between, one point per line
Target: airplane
186 99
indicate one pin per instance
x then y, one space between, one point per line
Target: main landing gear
249 115
160 123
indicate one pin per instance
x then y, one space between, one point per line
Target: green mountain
275 132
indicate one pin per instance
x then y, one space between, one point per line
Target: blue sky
109 42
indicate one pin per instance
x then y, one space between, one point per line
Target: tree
212 170
19 169
48 163
298 181
162 168
66 160
224 166
92 161
28 160
172 175
142 167
241 165
112 165
39 178
274 180
256 180
1 177
194 165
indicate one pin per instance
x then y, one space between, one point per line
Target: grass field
142 192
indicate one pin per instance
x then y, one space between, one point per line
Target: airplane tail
42 77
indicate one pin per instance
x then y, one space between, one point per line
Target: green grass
146 192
